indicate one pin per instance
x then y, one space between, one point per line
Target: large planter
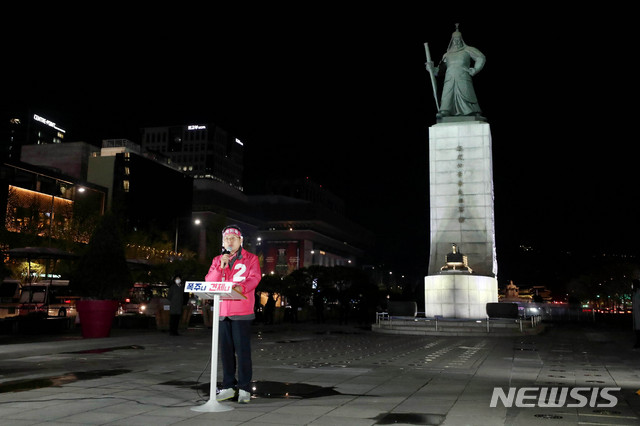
96 317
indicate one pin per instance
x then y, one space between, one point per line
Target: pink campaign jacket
246 273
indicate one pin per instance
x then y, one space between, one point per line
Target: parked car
143 299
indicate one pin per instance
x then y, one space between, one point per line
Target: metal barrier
437 321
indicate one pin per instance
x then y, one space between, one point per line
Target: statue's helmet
456 35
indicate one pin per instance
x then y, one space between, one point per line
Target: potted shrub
102 278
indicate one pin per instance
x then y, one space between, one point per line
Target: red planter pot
96 317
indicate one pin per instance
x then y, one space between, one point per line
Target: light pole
175 245
195 222
53 200
202 240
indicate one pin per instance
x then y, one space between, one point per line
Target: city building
187 181
69 158
304 225
536 293
297 225
27 129
216 205
39 201
150 195
203 151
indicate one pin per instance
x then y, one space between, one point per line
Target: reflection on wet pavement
409 418
45 382
268 389
103 350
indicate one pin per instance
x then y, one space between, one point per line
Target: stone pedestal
461 213
461 195
459 295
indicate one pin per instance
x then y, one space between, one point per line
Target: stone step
457 328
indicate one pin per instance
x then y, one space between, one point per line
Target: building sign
196 127
49 123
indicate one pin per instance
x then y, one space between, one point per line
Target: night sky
341 95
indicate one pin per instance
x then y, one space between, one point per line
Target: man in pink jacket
237 265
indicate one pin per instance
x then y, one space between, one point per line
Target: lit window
125 185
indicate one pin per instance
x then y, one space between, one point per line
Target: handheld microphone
225 250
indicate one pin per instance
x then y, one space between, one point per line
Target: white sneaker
244 397
225 394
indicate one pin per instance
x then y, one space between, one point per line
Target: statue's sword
433 77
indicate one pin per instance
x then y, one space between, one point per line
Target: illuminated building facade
203 151
38 201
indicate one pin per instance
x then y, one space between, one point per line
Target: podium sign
215 290
207 289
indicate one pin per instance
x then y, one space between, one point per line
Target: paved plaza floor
323 374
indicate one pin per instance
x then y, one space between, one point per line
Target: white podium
216 291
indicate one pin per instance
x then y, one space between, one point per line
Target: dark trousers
234 341
174 322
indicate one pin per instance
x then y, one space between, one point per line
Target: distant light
197 221
81 189
239 142
259 238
